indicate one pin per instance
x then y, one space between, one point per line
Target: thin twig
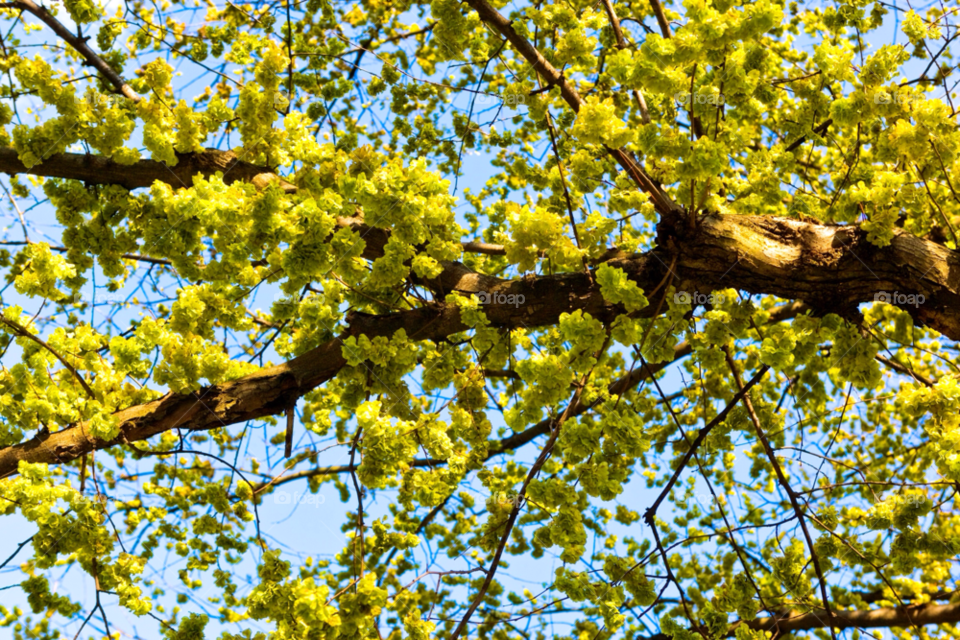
22 331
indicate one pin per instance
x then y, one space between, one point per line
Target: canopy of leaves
609 319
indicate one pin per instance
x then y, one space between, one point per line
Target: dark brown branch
661 18
485 248
820 129
913 615
125 256
884 618
829 267
143 173
704 431
22 331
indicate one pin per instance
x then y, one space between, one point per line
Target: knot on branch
649 515
674 230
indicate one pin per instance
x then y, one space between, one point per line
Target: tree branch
884 618
79 44
829 267
143 173
22 331
570 95
913 615
661 18
622 44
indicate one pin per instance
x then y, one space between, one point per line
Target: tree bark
143 173
909 616
887 617
828 267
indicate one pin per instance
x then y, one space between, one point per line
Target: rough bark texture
143 173
901 617
831 268
908 616
828 267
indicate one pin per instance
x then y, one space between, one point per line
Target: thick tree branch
829 267
143 173
886 617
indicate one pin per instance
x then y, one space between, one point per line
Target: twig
22 331
782 479
288 445
622 44
701 435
